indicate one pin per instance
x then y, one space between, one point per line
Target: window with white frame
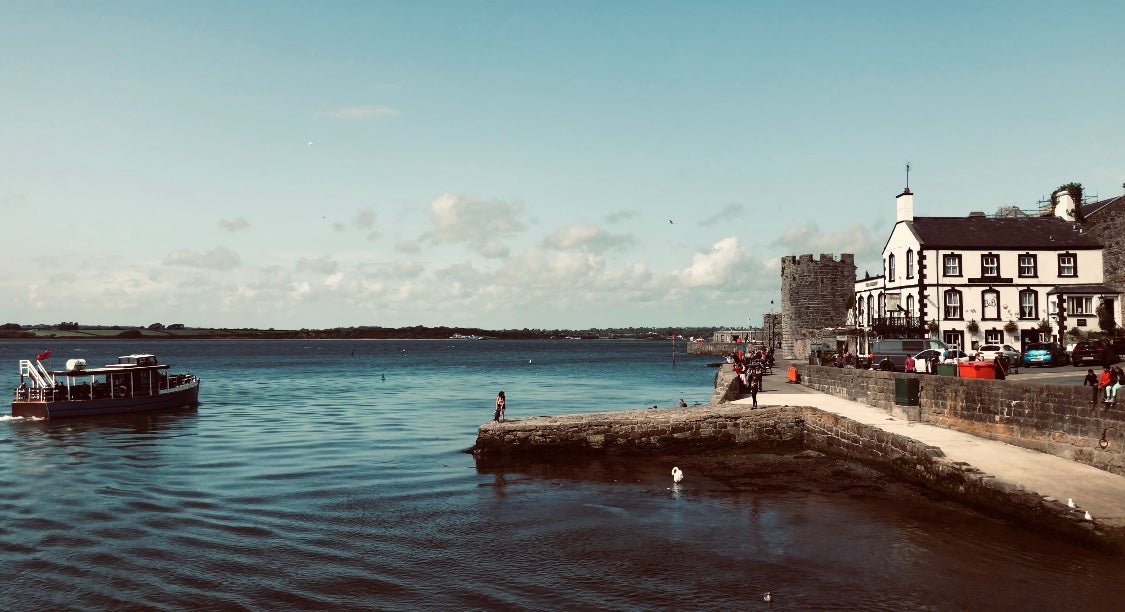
994 336
1028 267
990 265
1068 264
870 308
1079 305
910 305
909 263
953 338
1029 304
859 310
952 265
890 267
953 304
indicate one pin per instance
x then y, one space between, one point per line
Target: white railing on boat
37 373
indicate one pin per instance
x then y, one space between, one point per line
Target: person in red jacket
1103 383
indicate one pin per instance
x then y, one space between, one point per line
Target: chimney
904 203
1065 205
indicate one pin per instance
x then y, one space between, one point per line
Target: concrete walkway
1099 492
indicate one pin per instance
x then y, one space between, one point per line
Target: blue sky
515 164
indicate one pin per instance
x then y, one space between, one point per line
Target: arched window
890 267
910 305
909 263
882 305
870 308
1029 304
953 304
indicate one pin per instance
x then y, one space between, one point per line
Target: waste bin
977 369
906 391
947 369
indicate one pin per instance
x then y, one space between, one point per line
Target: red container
976 369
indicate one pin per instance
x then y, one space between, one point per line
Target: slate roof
1094 207
1098 288
995 233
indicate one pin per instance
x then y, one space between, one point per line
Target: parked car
922 360
988 352
1044 354
1092 351
1118 346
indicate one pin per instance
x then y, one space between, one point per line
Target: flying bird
670 222
310 143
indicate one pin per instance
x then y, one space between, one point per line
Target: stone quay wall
644 432
737 426
1054 419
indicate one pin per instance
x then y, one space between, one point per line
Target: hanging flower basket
973 326
932 327
1011 327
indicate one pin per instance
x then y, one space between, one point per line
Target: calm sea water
321 475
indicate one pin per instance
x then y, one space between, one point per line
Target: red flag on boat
44 355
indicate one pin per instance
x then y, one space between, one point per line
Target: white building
976 280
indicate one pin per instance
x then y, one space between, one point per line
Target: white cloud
300 291
219 258
588 237
321 265
855 239
717 267
360 113
235 225
460 219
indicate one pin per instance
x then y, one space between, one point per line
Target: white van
899 348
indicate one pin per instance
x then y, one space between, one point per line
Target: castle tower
815 294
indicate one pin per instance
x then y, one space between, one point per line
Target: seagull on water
768 598
1070 503
677 474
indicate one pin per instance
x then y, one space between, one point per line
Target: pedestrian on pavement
1091 381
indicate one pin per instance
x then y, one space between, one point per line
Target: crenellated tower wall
815 294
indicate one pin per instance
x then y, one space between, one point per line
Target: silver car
988 352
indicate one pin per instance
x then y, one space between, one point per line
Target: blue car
1044 354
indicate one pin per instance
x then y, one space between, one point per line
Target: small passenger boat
136 383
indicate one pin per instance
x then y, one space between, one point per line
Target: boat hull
183 396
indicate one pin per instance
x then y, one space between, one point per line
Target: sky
510 165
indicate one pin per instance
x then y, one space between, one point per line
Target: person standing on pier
501 404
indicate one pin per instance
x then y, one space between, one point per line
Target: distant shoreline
12 332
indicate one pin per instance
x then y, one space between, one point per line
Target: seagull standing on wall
1070 503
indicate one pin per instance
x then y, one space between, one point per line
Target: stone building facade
815 294
1105 220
